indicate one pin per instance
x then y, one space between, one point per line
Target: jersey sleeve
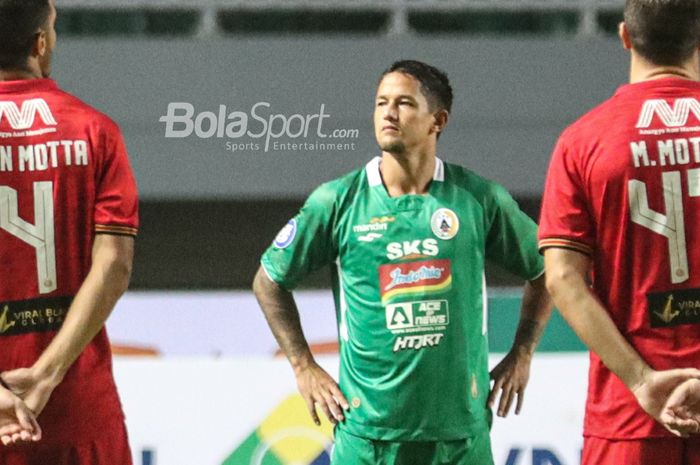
512 237
116 202
565 220
305 243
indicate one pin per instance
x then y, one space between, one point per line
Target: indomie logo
422 274
671 117
20 119
414 278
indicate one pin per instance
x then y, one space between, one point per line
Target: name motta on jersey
21 121
668 152
41 157
671 119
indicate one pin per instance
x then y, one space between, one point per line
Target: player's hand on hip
656 389
17 422
319 389
30 386
682 410
510 378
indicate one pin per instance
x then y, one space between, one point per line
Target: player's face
403 120
50 37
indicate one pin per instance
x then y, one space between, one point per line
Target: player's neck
642 70
407 174
19 74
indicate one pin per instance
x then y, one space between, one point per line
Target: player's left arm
511 375
512 243
107 280
567 273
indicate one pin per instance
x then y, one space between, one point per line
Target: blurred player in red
622 206
68 217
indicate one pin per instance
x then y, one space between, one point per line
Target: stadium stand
393 17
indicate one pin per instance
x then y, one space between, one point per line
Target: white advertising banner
246 411
211 324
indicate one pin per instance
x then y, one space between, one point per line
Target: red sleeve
116 203
565 220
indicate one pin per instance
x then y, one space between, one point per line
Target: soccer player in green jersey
408 236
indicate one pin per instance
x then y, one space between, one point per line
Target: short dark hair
19 22
434 83
665 32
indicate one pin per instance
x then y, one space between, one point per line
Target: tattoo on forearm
283 318
286 328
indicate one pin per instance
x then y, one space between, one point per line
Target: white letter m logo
671 117
24 118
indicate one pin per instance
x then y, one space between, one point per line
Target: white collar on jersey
375 178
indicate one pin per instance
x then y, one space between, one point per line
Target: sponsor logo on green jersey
426 314
417 342
407 250
423 277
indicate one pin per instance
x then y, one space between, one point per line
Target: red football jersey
624 188
64 176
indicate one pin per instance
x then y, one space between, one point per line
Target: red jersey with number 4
624 188
64 176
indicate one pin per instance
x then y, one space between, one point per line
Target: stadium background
521 70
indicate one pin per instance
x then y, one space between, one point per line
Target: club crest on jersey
415 278
286 234
444 224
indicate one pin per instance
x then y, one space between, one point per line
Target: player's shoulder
340 188
477 185
590 123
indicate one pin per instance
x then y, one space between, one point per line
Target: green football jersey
410 293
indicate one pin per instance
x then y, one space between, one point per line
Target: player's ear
40 44
624 36
441 117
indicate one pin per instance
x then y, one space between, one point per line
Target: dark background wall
217 244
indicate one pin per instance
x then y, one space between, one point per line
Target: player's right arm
316 386
106 281
566 275
305 244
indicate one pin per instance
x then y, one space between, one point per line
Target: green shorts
354 450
